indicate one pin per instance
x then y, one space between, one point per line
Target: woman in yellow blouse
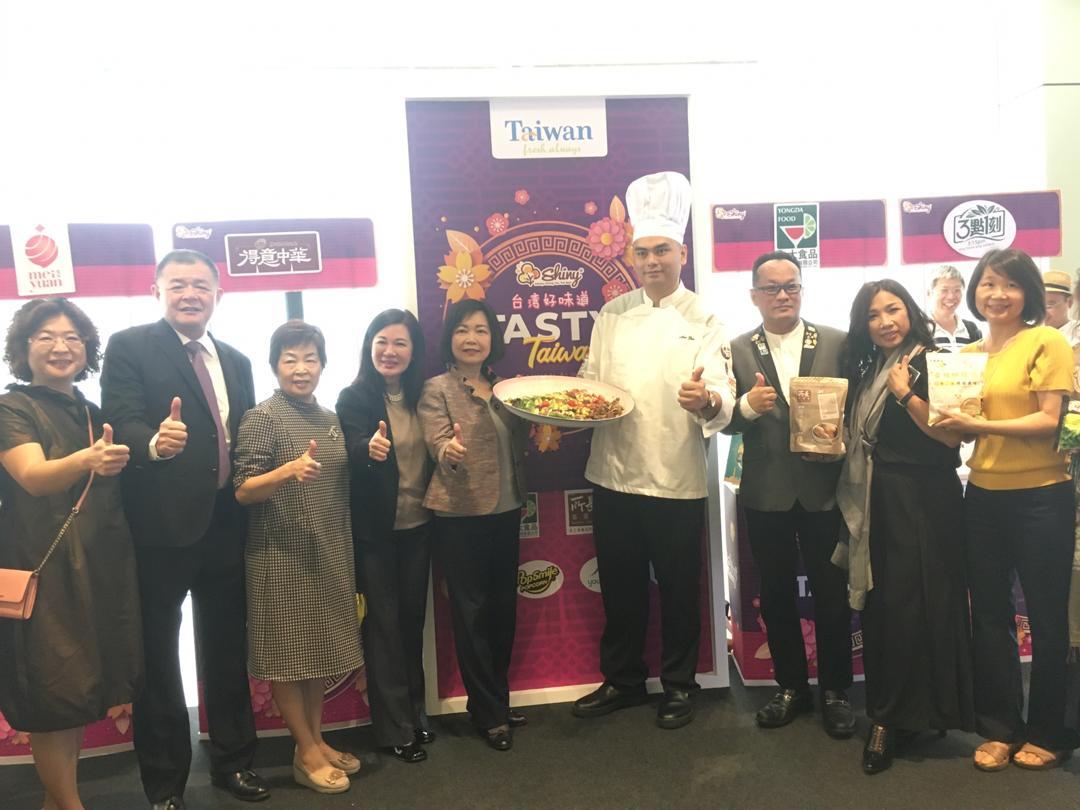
1019 514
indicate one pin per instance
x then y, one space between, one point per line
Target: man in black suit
789 499
175 395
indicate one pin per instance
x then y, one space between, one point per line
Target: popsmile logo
539 578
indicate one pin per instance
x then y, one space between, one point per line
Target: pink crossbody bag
18 588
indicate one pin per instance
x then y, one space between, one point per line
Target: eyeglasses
48 340
773 290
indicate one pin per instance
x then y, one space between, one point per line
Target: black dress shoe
245 785
499 738
410 752
837 715
607 699
675 710
424 736
171 803
516 719
784 707
878 753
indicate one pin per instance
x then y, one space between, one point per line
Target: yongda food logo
796 226
975 226
538 579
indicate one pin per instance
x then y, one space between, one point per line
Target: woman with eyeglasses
80 652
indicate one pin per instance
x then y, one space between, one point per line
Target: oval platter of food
566 402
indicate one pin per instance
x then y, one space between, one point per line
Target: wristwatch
903 401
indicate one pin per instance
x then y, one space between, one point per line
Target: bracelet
903 401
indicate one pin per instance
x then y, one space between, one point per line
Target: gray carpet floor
620 761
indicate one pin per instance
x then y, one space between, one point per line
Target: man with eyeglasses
661 344
789 499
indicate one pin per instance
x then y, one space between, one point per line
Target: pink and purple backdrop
544 242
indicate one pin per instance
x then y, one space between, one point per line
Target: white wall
128 111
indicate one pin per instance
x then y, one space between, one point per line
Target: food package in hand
817 414
955 383
1068 437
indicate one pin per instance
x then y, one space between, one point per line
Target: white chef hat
659 205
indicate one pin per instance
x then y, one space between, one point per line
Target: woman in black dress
910 581
390 468
80 652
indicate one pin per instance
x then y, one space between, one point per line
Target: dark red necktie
195 352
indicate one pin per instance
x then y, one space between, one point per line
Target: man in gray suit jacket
789 499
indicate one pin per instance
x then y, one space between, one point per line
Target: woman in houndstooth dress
292 470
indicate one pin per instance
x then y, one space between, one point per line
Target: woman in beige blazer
476 493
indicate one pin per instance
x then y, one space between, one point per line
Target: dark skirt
916 624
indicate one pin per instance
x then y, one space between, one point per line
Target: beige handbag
18 588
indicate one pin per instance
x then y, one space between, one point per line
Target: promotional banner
847 233
950 229
107 736
345 704
285 254
41 259
521 203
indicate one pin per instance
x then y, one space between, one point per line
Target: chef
662 345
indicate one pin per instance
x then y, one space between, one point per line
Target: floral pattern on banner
545 437
112 730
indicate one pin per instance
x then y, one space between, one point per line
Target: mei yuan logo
192 232
538 579
910 207
548 128
41 248
738 214
42 258
556 275
977 225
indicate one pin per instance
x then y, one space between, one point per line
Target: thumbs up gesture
305 468
379 446
455 449
693 395
172 433
762 397
105 458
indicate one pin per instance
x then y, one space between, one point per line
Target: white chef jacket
658 449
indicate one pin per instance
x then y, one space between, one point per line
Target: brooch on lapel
809 340
759 340
334 433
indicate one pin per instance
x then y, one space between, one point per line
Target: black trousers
631 531
1030 531
479 556
394 580
776 538
213 570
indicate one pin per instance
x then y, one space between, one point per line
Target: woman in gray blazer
476 493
